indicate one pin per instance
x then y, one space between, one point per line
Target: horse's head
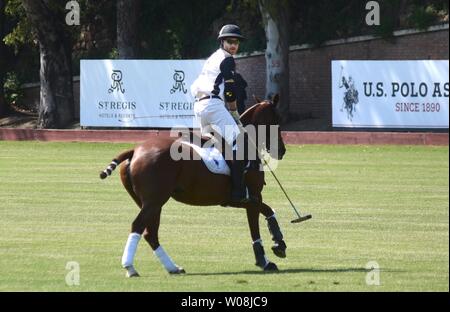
264 113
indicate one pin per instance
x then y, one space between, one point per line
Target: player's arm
227 68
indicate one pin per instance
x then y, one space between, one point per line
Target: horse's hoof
279 249
131 272
136 274
178 271
270 267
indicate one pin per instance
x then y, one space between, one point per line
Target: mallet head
301 219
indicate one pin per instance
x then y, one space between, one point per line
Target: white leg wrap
130 249
165 259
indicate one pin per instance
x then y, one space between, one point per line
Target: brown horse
151 176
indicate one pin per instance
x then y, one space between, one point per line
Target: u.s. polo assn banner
390 94
138 93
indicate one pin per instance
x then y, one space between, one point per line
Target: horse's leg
258 249
133 237
279 246
151 236
137 228
125 178
147 223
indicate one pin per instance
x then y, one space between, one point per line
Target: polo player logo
179 84
350 95
117 83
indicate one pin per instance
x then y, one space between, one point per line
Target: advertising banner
138 93
390 94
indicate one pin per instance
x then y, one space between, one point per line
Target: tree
56 103
276 15
191 35
127 30
3 107
174 29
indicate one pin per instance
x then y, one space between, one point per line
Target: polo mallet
299 217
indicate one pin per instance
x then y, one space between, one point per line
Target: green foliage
316 21
114 54
423 17
12 88
246 14
20 34
174 29
179 29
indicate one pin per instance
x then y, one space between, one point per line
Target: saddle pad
212 158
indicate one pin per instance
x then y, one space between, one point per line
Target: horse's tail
115 162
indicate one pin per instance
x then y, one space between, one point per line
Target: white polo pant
212 113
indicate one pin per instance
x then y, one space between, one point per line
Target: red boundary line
290 137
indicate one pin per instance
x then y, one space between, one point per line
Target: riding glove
235 115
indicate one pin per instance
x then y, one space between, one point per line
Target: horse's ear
276 99
257 99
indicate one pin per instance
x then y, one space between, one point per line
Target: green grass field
388 204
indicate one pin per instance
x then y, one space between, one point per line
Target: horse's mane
249 112
247 115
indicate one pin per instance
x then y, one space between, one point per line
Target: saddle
195 138
213 154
